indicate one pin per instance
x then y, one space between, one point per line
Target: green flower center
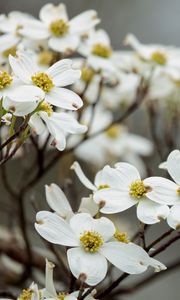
113 131
87 74
5 80
10 51
43 81
159 57
59 27
46 58
101 50
178 191
137 189
62 295
91 241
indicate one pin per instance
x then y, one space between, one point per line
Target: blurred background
152 21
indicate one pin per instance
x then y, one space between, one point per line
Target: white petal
50 12
64 98
100 63
55 229
23 67
173 165
36 124
88 206
34 30
173 219
128 173
108 176
92 265
50 289
84 21
19 108
129 258
55 128
26 93
84 222
7 41
63 74
82 177
57 200
113 201
63 44
164 191
163 165
150 212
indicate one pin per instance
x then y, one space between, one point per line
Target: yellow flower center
91 241
46 58
5 80
44 106
10 51
159 57
103 186
59 27
62 295
26 294
121 237
101 50
113 131
137 189
43 81
87 74
178 191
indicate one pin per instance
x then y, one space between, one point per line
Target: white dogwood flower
97 48
12 28
172 165
64 35
130 191
92 246
59 125
50 82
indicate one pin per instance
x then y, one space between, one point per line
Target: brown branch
159 239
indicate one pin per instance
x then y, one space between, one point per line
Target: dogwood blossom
59 125
63 34
130 191
97 48
91 239
50 82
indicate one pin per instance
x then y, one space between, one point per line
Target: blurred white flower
64 35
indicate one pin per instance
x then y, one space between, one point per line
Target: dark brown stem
165 245
159 239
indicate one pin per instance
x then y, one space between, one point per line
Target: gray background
155 21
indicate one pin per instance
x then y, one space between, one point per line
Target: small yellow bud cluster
5 80
113 131
62 295
87 74
121 237
43 81
91 241
26 294
59 27
159 57
178 191
46 58
10 51
103 186
137 189
44 106
101 50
